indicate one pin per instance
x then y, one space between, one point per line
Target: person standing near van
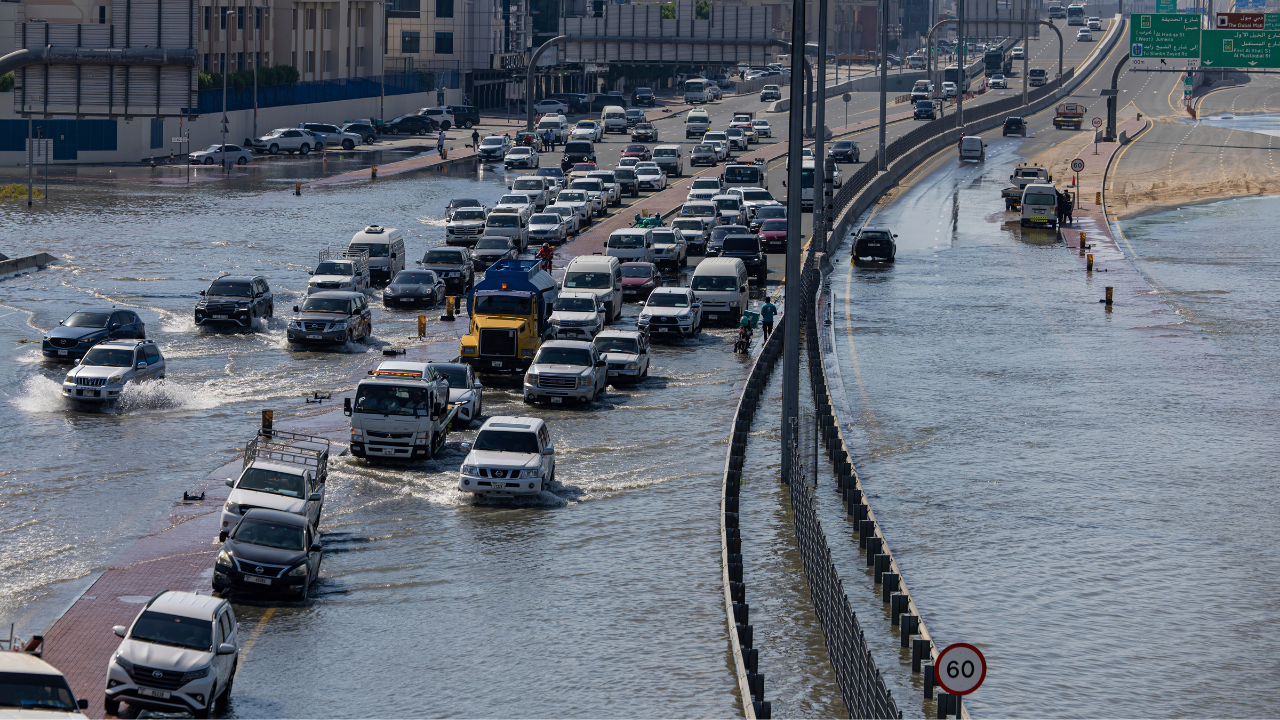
767 312
440 142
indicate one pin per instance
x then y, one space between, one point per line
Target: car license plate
258 580
219 317
1039 219
314 337
406 300
497 363
713 316
556 400
148 692
62 352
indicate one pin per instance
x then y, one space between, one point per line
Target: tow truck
1069 115
1023 175
401 412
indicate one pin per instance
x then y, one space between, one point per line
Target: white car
627 353
1084 34
521 156
1095 23
465 226
440 115
628 162
549 227
466 392
570 214
673 311
580 202
565 371
332 136
587 130
650 177
517 203
289 140
179 655
101 376
213 155
701 195
612 191
38 689
511 456
1016 53
536 188
669 248
998 81
762 128
755 198
948 89
494 147
720 140
577 316
551 107
595 192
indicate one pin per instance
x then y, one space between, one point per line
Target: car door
548 461
155 362
313 508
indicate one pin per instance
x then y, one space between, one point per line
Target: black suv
464 115
626 178
644 96
453 265
845 151
926 110
411 125
235 301
1014 126
364 130
746 247
85 328
874 245
577 151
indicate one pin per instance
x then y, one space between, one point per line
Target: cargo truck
1069 115
400 412
510 316
1023 175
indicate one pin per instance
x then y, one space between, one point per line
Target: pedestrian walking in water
767 312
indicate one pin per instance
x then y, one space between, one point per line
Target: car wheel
242 160
208 161
225 698
466 124
444 125
306 149
204 712
274 149
348 145
111 707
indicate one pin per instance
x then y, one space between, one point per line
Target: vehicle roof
718 263
276 516
238 278
533 423
277 467
639 264
726 195
189 604
99 309
20 662
671 291
580 344
579 294
592 260
344 294
629 334
129 344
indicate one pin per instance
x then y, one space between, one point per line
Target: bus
962 80
1075 14
995 63
697 90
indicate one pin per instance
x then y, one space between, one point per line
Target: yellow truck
510 317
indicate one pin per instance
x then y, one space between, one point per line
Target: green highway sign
1167 6
1241 49
1164 41
1272 21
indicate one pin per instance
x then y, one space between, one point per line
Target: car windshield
456 375
771 211
741 244
648 171
174 630
274 133
275 482
578 148
451 257
563 356
492 244
733 132
691 225
664 236
374 249
469 214
757 195
842 145
626 241
635 149
550 172
604 177
380 399
644 126
501 305
698 210
585 305
513 200
561 210
720 232
506 441
704 148
230 289
668 300
503 220
636 271
706 184
87 319
329 267
331 305
740 174
269 534
545 219
586 125
664 152
527 185
774 225
589 280
727 203
714 282
490 141
1037 199
108 357
36 691
593 185
616 344
414 277
624 174
874 235
571 197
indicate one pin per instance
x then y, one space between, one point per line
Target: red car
773 234
637 151
639 279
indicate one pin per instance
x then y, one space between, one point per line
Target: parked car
627 352
521 157
414 288
639 279
453 265
644 96
215 154
288 140
492 248
464 115
235 301
510 457
441 116
85 328
331 136
331 317
548 106
673 311
364 130
101 376
412 125
566 370
637 151
180 654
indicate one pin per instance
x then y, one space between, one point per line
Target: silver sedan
213 155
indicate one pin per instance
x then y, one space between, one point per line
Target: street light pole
1026 47
791 281
962 72
225 22
820 178
883 17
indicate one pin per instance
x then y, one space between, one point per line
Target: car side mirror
231 483
226 649
346 406
141 366
119 630
295 309
315 547
477 385
466 446
549 450
311 272
315 497
82 704
201 292
602 363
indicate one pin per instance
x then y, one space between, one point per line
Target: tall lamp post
791 282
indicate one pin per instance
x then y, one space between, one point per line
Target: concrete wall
27 262
133 137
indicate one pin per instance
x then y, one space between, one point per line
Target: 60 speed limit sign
960 669
1077 165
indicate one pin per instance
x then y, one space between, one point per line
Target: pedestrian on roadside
1059 208
1069 202
475 139
440 142
549 140
767 313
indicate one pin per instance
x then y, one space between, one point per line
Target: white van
745 176
557 124
614 118
696 123
631 245
1039 206
600 274
720 284
386 251
670 158
972 148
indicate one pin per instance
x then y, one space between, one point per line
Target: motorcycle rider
545 253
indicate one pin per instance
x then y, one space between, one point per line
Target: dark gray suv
235 301
331 317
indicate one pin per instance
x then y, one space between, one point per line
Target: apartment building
323 40
481 43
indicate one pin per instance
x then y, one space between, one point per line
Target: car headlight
69 379
389 291
644 317
584 381
468 351
526 354
531 473
195 674
339 326
470 470
224 559
300 571
295 324
357 434
531 378
233 508
631 366
115 379
733 304
122 662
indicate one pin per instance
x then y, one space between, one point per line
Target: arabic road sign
1077 165
1186 92
1248 21
960 669
1241 49
1166 6
1164 41
1259 4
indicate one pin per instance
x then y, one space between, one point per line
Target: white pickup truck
340 269
282 471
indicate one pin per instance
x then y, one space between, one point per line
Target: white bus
697 91
1075 14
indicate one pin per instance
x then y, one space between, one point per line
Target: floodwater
1262 123
1085 495
602 597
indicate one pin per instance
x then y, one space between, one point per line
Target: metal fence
318 91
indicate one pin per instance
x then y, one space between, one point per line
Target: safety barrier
317 91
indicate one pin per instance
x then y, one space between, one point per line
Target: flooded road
1083 494
601 597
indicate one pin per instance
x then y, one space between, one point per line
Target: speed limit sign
1077 165
960 669
1097 122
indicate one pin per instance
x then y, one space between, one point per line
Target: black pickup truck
746 247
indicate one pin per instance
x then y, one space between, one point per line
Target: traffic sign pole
960 669
1076 166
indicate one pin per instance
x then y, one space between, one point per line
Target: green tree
669 11
702 10
6 82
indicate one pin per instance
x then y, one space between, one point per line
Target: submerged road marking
257 630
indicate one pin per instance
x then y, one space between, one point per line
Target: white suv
577 316
290 140
440 115
179 655
510 456
100 377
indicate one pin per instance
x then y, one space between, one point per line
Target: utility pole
791 281
1026 48
820 176
31 158
883 16
225 22
962 72
257 51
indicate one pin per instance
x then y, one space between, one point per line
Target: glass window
501 305
545 219
444 43
374 249
714 282
329 267
503 220
316 304
392 400
1039 199
410 42
563 356
626 241
229 288
173 630
616 344
468 214
584 305
108 357
588 280
677 300
506 441
442 256
774 225
415 277
456 375
274 482
36 691
269 534
87 319
735 174
492 244
444 8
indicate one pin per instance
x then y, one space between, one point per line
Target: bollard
731 505
751 656
741 613
755 681
1083 244
745 635
731 521
1108 300
874 546
946 706
444 153
735 571
866 531
422 326
1088 262
927 671
448 308
738 591
919 651
373 172
910 626
889 583
1098 198
881 564
267 417
297 189
858 511
734 538
898 604
764 709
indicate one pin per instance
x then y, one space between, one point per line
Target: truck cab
1069 115
1023 175
400 412
282 471
1037 77
510 316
